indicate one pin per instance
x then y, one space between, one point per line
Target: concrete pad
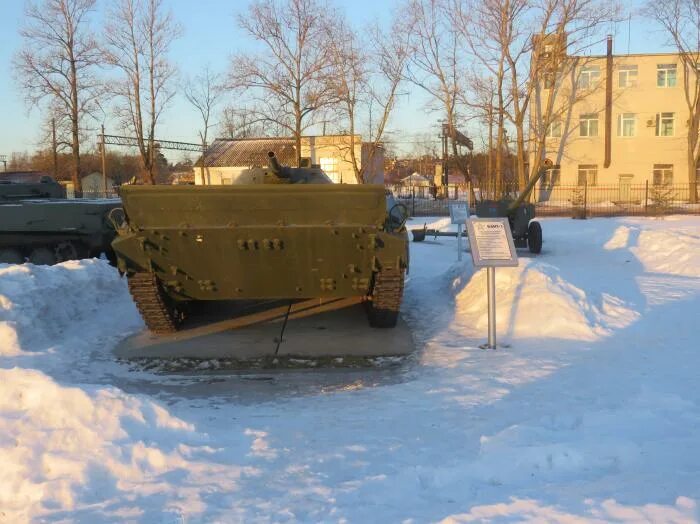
253 330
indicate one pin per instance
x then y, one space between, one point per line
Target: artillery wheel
11 255
534 237
42 256
385 300
158 310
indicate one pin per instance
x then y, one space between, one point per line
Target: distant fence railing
558 200
92 195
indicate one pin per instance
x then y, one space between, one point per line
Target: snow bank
669 248
41 305
65 447
534 300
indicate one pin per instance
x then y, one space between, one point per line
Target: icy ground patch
591 412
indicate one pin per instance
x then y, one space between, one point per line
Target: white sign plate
459 212
491 242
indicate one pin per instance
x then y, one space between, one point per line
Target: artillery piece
276 233
520 214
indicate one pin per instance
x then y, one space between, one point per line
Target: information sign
459 212
491 242
492 246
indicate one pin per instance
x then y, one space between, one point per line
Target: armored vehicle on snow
38 223
277 233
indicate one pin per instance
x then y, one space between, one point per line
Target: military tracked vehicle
38 224
276 233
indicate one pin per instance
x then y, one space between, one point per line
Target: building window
587 174
554 130
329 166
588 125
663 174
589 77
626 124
552 177
664 124
666 75
627 76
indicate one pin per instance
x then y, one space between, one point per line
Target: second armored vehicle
38 224
277 233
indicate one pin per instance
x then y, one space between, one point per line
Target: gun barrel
274 164
528 188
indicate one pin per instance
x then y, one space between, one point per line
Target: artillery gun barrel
275 166
528 188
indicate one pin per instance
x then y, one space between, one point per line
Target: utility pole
445 149
3 159
103 152
54 145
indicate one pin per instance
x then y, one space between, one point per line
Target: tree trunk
489 158
75 123
77 183
520 160
692 174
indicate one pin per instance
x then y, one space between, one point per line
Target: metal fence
579 201
91 195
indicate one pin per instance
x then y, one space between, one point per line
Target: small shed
414 180
93 185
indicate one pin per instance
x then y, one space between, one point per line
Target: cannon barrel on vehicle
275 166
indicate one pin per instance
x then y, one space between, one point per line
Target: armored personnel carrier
38 224
277 233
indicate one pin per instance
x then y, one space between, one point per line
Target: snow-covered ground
590 411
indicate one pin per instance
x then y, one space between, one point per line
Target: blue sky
210 36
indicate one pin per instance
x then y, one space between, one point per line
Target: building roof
248 152
415 178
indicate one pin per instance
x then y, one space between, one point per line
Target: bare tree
563 30
240 122
57 62
366 80
483 104
288 80
680 20
203 92
138 38
436 64
497 35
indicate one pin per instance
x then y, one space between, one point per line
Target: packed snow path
592 412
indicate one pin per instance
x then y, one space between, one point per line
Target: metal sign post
459 214
492 246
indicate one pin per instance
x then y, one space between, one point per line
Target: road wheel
385 301
67 251
11 255
42 256
534 237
